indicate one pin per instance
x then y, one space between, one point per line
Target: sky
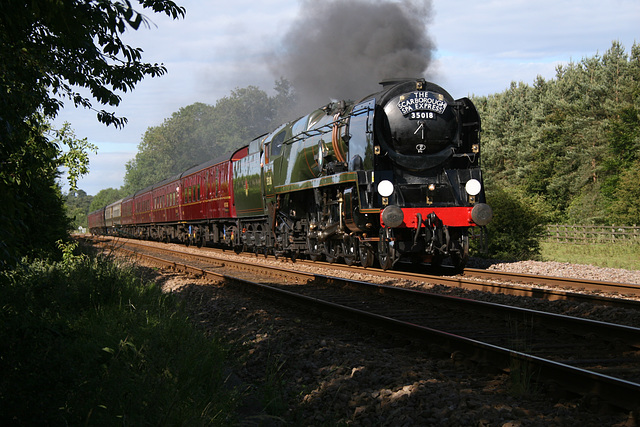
475 48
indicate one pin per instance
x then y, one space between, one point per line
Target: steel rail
574 283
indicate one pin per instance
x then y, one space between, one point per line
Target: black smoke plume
342 49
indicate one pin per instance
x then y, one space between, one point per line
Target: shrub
517 225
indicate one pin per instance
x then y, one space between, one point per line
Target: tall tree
199 132
49 49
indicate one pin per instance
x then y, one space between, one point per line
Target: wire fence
586 234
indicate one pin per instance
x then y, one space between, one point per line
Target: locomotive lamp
385 188
473 187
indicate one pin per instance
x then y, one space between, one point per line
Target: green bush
517 225
84 342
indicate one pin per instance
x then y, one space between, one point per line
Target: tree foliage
51 50
77 205
200 131
32 214
574 140
76 157
105 197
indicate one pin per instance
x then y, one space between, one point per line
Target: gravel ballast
327 372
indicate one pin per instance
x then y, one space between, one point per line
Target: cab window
276 143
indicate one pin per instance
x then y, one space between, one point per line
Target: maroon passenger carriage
193 207
208 211
96 222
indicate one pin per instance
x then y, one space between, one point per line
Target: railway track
622 295
519 284
578 355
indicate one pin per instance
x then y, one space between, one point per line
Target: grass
83 341
619 255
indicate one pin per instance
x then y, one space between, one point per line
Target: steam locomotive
395 176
